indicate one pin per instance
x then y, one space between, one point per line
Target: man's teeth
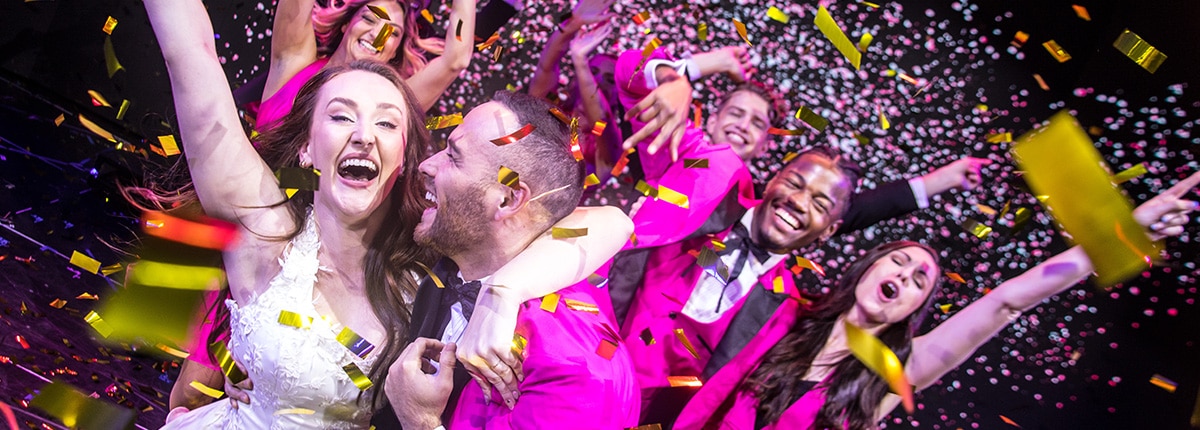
429 196
359 162
788 218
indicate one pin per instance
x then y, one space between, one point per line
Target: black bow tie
461 292
741 242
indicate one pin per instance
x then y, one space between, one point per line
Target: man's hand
589 12
962 174
486 347
417 391
664 110
237 392
1167 213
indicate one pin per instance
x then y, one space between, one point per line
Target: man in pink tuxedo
577 372
701 279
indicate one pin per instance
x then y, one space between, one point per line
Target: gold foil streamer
514 136
1009 421
598 127
122 109
96 129
1134 47
381 38
985 209
93 319
87 296
662 193
355 343
379 11
458 32
109 25
809 264
784 132
622 162
686 343
647 336
58 121
168 145
299 178
1081 12
98 99
550 302
560 115
508 177
172 351
77 410
206 390
956 277
1162 382
518 344
869 4
702 31
596 280
881 360
176 276
684 381
296 411
58 303
811 118
1059 160
1041 82
741 31
428 16
695 163
84 262
883 121
1130 173
208 233
641 17
778 15
999 137
591 180
787 158
777 285
567 233
443 121
976 228
945 308
432 276
1056 51
582 306
864 41
576 151
110 58
224 360
296 320
356 375
834 33
1020 38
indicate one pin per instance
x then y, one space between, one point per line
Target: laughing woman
798 373
329 255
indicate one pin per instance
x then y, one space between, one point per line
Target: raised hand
486 346
963 173
417 391
1167 213
587 42
589 12
664 110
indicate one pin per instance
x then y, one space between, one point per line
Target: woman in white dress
307 268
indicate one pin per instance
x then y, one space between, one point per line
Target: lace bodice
298 372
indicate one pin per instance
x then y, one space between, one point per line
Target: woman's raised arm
429 83
293 46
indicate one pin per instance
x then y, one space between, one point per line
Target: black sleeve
887 201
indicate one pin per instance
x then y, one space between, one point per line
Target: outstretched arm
429 83
545 77
293 46
228 174
899 198
546 266
956 339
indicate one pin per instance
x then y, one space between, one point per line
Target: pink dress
273 109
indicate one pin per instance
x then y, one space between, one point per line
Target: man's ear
830 230
513 199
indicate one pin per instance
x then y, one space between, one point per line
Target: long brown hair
391 254
410 56
853 392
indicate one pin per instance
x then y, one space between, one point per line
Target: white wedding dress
298 375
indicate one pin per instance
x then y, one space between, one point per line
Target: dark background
1080 360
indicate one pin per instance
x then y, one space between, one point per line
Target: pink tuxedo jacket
720 404
577 373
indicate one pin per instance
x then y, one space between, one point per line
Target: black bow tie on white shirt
462 292
741 242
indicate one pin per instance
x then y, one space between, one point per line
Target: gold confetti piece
168 145
58 121
224 360
428 16
1020 217
458 33
881 360
1060 160
778 15
380 12
684 381
296 320
686 343
173 351
355 343
581 306
956 277
591 180
834 33
672 197
381 38
790 156
58 303
560 115
864 41
641 17
606 349
1162 382
1134 47
702 31
976 228
206 233
110 58
514 136
567 233
443 121
1095 131
96 129
77 410
999 137
598 128
985 209
87 296
550 302
98 323
98 99
109 25
596 280
297 411
906 78
1020 38
869 4
84 262
1009 421
300 178
432 276
695 163
655 426
1056 51
717 245
811 118
576 150
518 344
1041 82
647 337
356 375
883 121
784 132
176 276
124 108
945 308
1004 211
1081 12
741 31
205 390
804 263
508 177
1130 173
777 285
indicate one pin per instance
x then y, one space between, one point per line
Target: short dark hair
543 159
848 167
757 88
